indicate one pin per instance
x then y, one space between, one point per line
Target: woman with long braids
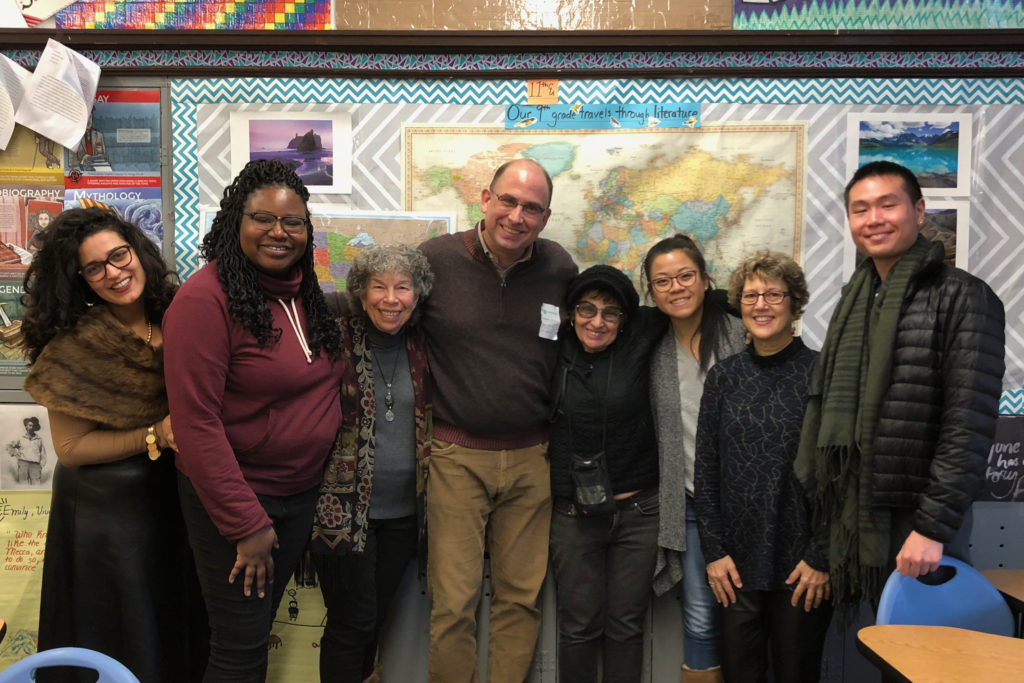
253 371
95 297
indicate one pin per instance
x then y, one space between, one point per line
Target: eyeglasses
611 315
772 297
685 279
97 270
532 209
265 221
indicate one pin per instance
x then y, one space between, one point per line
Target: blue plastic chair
110 670
955 594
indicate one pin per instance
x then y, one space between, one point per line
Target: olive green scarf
835 460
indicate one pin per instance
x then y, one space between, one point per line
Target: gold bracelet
154 450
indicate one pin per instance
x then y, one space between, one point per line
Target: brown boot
712 675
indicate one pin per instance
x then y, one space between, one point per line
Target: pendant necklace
389 400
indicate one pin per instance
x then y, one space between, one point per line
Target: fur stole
101 371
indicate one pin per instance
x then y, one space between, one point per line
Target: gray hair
387 258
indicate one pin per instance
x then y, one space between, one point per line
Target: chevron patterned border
780 91
777 59
1012 403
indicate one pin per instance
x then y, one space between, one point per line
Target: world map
339 235
735 189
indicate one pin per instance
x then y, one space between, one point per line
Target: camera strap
601 398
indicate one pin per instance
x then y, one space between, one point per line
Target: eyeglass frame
759 295
531 209
102 265
278 220
615 311
691 275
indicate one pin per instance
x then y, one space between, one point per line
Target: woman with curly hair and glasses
253 369
764 568
370 518
95 298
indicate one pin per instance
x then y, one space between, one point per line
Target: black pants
358 589
603 567
239 625
763 621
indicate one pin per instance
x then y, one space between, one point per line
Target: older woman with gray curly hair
370 513
762 563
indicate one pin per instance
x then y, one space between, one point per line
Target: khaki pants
501 499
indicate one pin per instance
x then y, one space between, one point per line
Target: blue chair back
956 594
110 670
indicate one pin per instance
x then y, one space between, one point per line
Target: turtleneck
383 341
285 287
778 358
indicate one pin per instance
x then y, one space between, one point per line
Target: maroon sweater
491 370
246 420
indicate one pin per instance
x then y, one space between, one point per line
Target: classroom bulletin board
416 126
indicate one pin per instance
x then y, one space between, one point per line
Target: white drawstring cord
295 326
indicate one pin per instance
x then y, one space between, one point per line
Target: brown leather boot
713 675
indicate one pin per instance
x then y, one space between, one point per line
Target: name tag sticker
549 321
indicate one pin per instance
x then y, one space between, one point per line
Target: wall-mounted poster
949 222
25 209
13 361
936 147
317 145
27 457
140 204
122 137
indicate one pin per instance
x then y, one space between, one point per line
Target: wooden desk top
1009 582
925 654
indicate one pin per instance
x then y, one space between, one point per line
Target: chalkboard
1004 475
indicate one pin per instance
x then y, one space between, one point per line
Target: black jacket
585 395
938 417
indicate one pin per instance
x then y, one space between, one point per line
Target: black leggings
763 621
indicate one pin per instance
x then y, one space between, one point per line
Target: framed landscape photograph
317 145
936 147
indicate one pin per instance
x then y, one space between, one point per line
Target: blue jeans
240 626
701 616
603 567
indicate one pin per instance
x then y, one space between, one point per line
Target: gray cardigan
675 453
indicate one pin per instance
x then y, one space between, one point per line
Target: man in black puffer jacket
904 397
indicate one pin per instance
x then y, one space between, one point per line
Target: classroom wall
379 107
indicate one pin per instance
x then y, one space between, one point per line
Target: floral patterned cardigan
342 510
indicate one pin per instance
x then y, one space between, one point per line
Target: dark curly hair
238 276
56 295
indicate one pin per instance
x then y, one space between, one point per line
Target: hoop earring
92 303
